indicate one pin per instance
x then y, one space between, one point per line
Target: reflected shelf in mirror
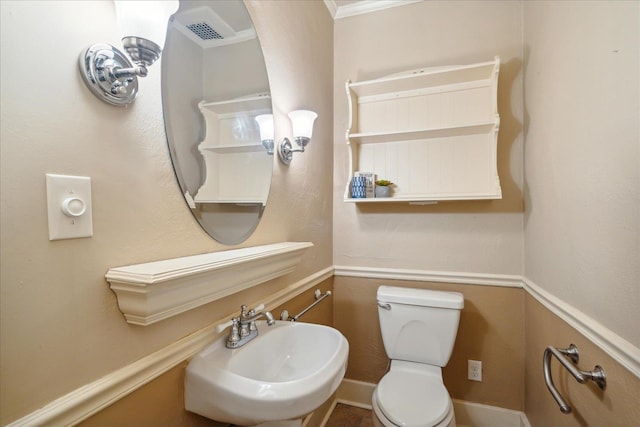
211 93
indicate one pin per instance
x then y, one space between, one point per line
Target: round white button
73 207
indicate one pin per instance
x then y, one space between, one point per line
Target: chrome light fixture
106 70
302 123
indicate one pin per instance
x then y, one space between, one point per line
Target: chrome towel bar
318 296
563 355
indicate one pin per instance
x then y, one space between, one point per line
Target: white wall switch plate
69 206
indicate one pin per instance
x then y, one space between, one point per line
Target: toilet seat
412 399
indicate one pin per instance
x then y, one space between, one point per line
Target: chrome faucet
243 328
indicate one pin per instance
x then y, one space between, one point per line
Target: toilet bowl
418 329
412 395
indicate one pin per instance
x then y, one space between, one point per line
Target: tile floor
349 416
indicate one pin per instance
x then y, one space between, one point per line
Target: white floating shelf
422 200
245 104
232 201
239 148
153 291
433 132
377 137
436 77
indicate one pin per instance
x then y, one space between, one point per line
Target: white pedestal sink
285 373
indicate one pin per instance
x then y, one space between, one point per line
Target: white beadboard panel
446 165
150 292
433 110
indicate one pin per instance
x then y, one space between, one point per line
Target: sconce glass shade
302 123
145 19
265 123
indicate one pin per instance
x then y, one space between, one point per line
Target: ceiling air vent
207 29
204 31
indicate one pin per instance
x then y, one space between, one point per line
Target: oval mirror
214 84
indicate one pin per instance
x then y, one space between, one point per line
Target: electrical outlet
474 372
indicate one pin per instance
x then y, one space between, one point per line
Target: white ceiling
343 8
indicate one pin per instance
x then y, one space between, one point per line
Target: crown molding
363 6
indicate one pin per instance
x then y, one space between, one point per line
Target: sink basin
286 372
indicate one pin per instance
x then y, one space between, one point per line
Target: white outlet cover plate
474 370
73 195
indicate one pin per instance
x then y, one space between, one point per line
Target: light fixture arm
106 71
286 150
140 70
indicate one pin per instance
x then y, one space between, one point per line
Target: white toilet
419 329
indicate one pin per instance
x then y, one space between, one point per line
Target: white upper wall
582 157
474 237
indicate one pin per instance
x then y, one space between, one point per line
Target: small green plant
384 183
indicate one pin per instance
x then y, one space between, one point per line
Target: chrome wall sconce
302 123
106 70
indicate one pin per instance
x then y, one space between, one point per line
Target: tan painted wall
60 324
477 236
617 405
160 403
491 330
582 157
582 217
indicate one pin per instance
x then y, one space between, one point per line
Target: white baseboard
358 393
355 393
479 415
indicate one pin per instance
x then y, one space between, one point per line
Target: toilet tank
419 325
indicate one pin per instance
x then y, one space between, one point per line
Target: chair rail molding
620 350
153 291
507 280
81 403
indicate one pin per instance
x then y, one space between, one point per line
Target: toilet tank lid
421 297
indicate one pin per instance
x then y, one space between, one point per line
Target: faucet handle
222 326
245 312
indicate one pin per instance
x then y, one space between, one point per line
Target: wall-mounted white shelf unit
235 160
153 291
433 132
